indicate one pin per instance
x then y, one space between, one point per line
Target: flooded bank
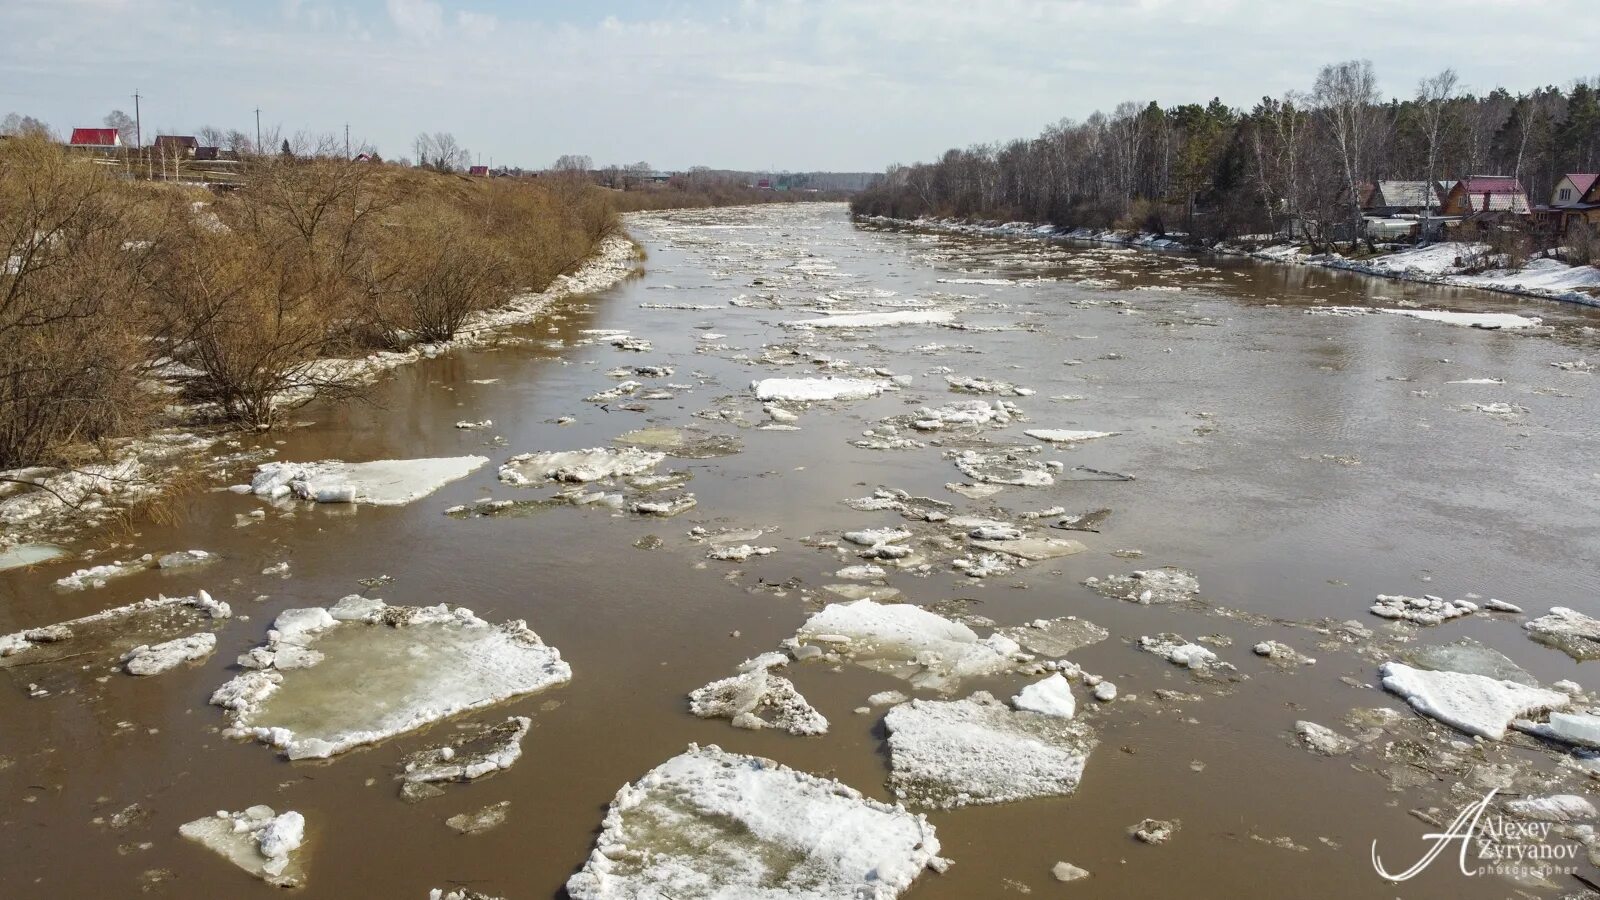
878 416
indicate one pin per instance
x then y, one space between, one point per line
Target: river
1297 463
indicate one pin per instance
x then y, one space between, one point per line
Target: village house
1393 198
95 139
1574 203
482 171
176 146
1487 195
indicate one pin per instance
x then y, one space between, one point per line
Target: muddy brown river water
1298 464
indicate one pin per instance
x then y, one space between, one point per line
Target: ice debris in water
1471 703
1567 630
1174 649
1281 653
384 482
975 751
1006 467
476 751
756 698
1033 549
712 824
878 319
491 816
459 894
969 384
1155 831
1066 436
1056 637
816 389
737 552
1148 586
1580 729
360 671
1322 739
908 642
593 464
257 840
1554 808
1065 871
1426 610
153 659
114 628
1051 697
184 559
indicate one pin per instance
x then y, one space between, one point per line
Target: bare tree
124 125
16 125
440 151
572 162
1433 97
1347 93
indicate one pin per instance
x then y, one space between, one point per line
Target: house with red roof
479 170
1493 195
1574 202
95 139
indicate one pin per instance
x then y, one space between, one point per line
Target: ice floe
1148 586
757 699
581 466
1322 739
815 389
1066 436
908 642
975 751
878 319
1051 696
384 482
1471 703
474 752
1174 649
379 670
713 824
1428 610
153 659
258 840
1567 630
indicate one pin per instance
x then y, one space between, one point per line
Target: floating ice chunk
758 699
712 824
459 894
816 389
860 573
593 464
738 552
1056 637
1467 655
1554 808
1105 692
1001 467
1066 436
147 659
257 840
971 384
993 282
1148 586
1567 630
28 555
1065 871
1155 831
1491 321
1283 653
1032 548
1174 649
384 482
1428 610
1581 729
877 320
665 507
113 632
477 751
184 559
1471 703
872 537
1322 739
636 345
491 816
952 753
908 642
1052 697
386 670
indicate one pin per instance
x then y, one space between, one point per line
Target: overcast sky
748 84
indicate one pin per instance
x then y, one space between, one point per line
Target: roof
95 137
1494 193
478 170
184 141
1492 184
1406 193
1583 182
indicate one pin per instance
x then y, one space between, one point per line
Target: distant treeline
1217 172
114 291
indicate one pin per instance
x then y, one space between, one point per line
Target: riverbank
52 505
1438 264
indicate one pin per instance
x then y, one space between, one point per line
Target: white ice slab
816 389
877 320
384 482
257 840
1472 703
711 824
909 642
593 464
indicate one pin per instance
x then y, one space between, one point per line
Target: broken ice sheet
952 753
58 650
1471 703
908 642
384 482
331 679
712 824
1567 630
257 840
1056 637
756 698
816 389
593 464
1148 586
475 751
22 555
1006 467
683 443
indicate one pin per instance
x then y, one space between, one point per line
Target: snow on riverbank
1444 263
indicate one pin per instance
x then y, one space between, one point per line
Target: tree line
1216 172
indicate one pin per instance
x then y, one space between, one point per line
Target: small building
103 139
1492 195
363 157
176 146
1391 198
1574 204
482 171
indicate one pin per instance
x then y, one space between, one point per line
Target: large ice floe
384 482
816 389
593 464
257 840
475 751
755 698
877 319
952 753
906 641
1066 435
153 659
360 671
712 824
1567 630
1471 703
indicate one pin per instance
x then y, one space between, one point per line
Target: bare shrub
72 343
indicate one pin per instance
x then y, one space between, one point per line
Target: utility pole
347 141
258 131
138 129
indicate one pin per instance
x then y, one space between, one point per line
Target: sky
794 85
